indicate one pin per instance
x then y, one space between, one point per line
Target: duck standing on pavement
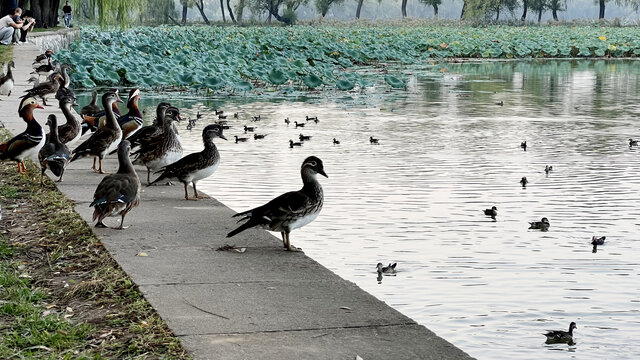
6 81
197 166
131 122
71 131
105 138
27 143
54 155
291 210
117 193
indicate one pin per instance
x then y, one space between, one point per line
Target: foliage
323 6
223 58
113 12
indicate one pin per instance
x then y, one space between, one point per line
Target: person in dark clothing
9 6
66 14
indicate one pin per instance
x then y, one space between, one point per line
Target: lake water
448 150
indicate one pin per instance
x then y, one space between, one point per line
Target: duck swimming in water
560 336
387 270
543 224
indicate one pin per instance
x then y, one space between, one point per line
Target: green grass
39 30
6 53
61 294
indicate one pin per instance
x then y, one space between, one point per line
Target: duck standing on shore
28 142
117 193
54 155
6 81
197 166
46 88
132 121
105 138
71 131
291 210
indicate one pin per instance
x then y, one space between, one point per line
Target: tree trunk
359 8
224 18
185 9
404 8
45 12
435 11
464 6
497 13
200 6
230 11
555 14
601 15
539 15
525 6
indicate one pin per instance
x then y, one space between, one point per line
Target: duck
387 270
240 139
292 144
54 155
105 139
117 193
548 169
287 121
259 136
560 336
164 149
46 88
218 112
132 120
44 70
631 141
65 88
298 124
257 118
249 128
42 57
70 132
308 118
493 212
373 140
146 133
235 115
304 137
543 224
198 115
196 166
6 80
27 143
336 142
523 145
98 120
34 81
92 109
222 117
595 240
291 210
524 181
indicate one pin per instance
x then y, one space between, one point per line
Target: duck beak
118 100
222 137
178 117
321 172
39 106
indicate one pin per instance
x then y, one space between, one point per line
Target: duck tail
56 167
161 177
3 149
243 227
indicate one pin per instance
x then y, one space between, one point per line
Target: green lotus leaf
243 85
312 81
277 77
394 82
112 77
214 83
184 79
345 85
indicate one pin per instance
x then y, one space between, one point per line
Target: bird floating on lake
560 336
523 145
633 142
543 224
493 212
336 142
290 210
524 181
595 241
298 124
240 139
548 169
373 140
293 144
386 270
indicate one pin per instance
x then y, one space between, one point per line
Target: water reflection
447 149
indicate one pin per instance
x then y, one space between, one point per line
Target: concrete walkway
262 304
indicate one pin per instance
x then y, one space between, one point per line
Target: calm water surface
447 151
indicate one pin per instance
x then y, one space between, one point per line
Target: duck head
379 267
313 166
52 121
110 98
545 221
134 96
212 131
572 326
173 113
27 105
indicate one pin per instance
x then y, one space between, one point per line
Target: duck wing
97 143
18 144
183 167
116 188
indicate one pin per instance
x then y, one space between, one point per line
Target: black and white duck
240 139
117 193
633 142
6 81
298 124
161 150
197 166
259 136
132 121
543 224
561 336
548 169
524 181
249 128
27 143
105 139
523 145
70 132
287 121
290 210
54 155
304 137
46 88
386 270
314 119
598 240
65 87
336 142
493 212
293 144
373 140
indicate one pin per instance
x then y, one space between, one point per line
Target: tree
539 6
555 6
224 19
404 8
160 11
487 8
323 6
525 5
359 8
45 12
434 4
200 6
230 12
240 9
186 4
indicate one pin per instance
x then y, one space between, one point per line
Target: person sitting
8 27
29 24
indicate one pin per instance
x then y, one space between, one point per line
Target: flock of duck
158 148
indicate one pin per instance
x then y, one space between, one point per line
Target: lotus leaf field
240 59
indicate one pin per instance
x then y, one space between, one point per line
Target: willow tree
434 4
323 6
120 13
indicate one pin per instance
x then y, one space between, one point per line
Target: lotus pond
260 59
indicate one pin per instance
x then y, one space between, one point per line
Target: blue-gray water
447 151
